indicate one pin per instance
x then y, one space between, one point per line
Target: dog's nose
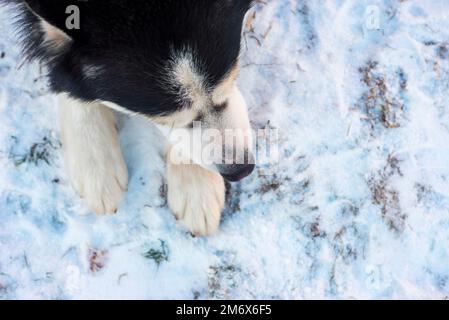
236 172
239 169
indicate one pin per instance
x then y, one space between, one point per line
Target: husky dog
174 62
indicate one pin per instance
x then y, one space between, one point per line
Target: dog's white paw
92 152
196 196
102 185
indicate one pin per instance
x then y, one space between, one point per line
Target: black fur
132 41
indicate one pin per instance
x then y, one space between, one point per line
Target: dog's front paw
196 196
101 185
92 153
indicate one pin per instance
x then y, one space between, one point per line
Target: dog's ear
45 21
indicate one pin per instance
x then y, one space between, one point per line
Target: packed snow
356 208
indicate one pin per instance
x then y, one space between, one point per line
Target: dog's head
175 62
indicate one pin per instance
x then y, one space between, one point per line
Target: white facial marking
183 72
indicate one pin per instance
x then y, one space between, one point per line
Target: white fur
225 87
235 124
196 196
118 108
183 72
236 114
93 157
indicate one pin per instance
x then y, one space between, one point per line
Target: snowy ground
359 205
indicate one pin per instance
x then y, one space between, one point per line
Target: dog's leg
196 196
92 152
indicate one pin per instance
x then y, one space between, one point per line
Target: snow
356 208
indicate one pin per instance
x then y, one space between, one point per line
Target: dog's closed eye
220 107
199 118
